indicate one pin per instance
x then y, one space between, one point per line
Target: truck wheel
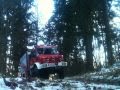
61 74
45 75
34 71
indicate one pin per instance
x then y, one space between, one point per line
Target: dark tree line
79 28
15 29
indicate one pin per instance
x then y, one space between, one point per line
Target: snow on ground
66 84
105 79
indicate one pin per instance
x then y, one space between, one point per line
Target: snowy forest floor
105 79
109 75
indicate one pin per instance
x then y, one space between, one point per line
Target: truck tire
34 71
61 74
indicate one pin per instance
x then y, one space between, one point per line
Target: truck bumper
50 65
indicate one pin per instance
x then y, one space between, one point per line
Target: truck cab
43 61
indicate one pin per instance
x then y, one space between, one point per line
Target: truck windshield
50 51
40 50
47 50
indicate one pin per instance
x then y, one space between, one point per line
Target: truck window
40 50
50 51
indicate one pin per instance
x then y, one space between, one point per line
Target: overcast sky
44 9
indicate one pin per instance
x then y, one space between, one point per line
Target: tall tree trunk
89 52
108 33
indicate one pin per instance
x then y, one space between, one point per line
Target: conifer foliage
79 28
15 29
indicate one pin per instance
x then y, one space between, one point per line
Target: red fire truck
42 61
